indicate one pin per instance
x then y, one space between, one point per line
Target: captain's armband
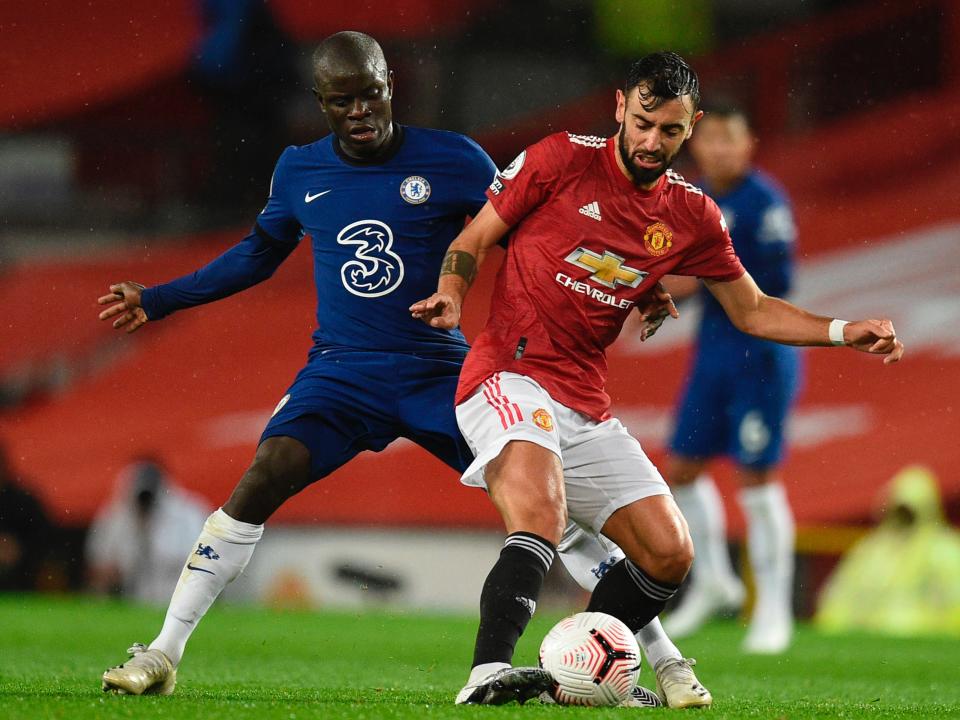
459 262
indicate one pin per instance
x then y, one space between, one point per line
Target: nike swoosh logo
199 569
310 198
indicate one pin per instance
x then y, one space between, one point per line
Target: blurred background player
137 542
737 400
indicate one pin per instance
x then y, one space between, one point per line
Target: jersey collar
395 144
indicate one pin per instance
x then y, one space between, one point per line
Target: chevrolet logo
608 268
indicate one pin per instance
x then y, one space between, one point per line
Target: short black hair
665 76
726 108
349 46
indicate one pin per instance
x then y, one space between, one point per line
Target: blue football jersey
761 225
379 231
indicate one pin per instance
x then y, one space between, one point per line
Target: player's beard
641 176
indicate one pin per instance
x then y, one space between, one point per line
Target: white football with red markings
594 659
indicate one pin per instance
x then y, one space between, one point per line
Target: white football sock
587 556
702 506
770 541
655 643
223 550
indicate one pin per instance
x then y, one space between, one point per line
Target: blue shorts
345 401
736 403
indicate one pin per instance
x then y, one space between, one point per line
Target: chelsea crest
415 190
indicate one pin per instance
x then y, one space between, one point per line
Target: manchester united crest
658 239
542 419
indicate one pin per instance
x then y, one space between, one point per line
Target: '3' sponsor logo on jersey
375 269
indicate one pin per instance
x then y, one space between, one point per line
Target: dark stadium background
131 150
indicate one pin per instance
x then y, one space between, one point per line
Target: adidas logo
591 210
529 605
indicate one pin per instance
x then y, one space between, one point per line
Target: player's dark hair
351 46
348 47
725 108
662 76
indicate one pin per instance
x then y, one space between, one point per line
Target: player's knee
530 498
546 518
670 559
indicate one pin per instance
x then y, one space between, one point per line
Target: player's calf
280 469
629 593
509 596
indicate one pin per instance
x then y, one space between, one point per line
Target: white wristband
836 331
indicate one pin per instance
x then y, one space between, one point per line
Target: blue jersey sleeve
478 172
277 220
775 240
244 265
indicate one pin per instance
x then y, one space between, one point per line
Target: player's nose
358 110
651 141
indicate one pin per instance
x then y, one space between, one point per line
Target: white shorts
604 467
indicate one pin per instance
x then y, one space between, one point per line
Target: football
594 659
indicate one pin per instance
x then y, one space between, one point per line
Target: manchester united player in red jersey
596 223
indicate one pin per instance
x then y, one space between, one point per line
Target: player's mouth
363 134
648 162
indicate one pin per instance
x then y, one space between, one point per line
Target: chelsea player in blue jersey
381 203
737 400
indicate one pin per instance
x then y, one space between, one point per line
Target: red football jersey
586 244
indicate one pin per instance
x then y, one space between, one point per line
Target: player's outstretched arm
460 265
761 315
251 261
126 310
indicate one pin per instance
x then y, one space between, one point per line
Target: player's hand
655 307
126 309
874 336
439 311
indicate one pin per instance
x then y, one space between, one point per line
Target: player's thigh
700 421
605 469
759 412
525 482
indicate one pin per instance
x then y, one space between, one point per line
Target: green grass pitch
264 665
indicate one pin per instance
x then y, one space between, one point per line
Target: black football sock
509 596
631 595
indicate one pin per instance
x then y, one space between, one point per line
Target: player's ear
621 106
696 117
390 84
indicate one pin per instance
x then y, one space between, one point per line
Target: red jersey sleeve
713 256
529 180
